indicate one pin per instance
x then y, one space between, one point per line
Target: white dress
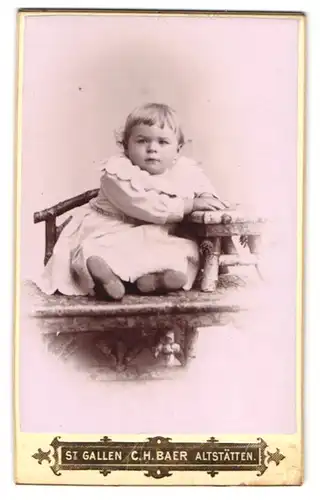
129 225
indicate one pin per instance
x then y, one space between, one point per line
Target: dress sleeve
149 205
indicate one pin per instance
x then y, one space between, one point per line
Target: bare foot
174 280
103 274
168 280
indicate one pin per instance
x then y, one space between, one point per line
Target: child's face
152 148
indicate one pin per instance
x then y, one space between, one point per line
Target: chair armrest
64 206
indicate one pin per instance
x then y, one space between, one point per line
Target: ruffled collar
172 182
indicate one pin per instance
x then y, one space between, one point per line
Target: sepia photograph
159 237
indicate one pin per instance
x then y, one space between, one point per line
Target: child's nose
152 146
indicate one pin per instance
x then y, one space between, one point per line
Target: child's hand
208 203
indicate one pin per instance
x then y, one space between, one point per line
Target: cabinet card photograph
159 247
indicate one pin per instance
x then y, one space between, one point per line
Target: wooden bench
165 324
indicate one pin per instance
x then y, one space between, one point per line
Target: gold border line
18 138
159 12
301 173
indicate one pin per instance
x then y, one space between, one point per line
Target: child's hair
152 114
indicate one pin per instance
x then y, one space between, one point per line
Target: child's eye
141 141
163 141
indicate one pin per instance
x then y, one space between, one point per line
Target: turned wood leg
190 344
211 250
51 237
254 244
228 248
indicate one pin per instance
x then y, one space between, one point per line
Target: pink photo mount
199 386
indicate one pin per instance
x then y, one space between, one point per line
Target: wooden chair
167 324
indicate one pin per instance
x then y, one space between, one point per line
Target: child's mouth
152 160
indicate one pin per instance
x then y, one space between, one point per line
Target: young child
125 233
